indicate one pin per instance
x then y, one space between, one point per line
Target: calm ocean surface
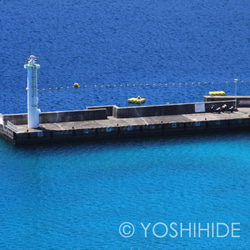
77 196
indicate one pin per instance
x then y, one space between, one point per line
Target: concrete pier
108 122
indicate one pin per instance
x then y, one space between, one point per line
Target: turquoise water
77 196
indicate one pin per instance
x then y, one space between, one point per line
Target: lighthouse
32 65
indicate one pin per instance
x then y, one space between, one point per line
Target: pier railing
12 126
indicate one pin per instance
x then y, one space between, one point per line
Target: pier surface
96 123
112 122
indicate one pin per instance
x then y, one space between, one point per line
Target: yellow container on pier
217 93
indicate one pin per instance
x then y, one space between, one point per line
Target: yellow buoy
137 100
76 85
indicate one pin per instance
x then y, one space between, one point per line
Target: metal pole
235 82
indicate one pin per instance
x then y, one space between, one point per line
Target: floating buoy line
77 85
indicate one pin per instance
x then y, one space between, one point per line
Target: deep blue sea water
77 196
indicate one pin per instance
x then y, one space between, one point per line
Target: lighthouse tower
32 64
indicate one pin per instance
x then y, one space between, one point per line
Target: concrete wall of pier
242 101
59 116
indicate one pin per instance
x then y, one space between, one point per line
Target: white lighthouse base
33 117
